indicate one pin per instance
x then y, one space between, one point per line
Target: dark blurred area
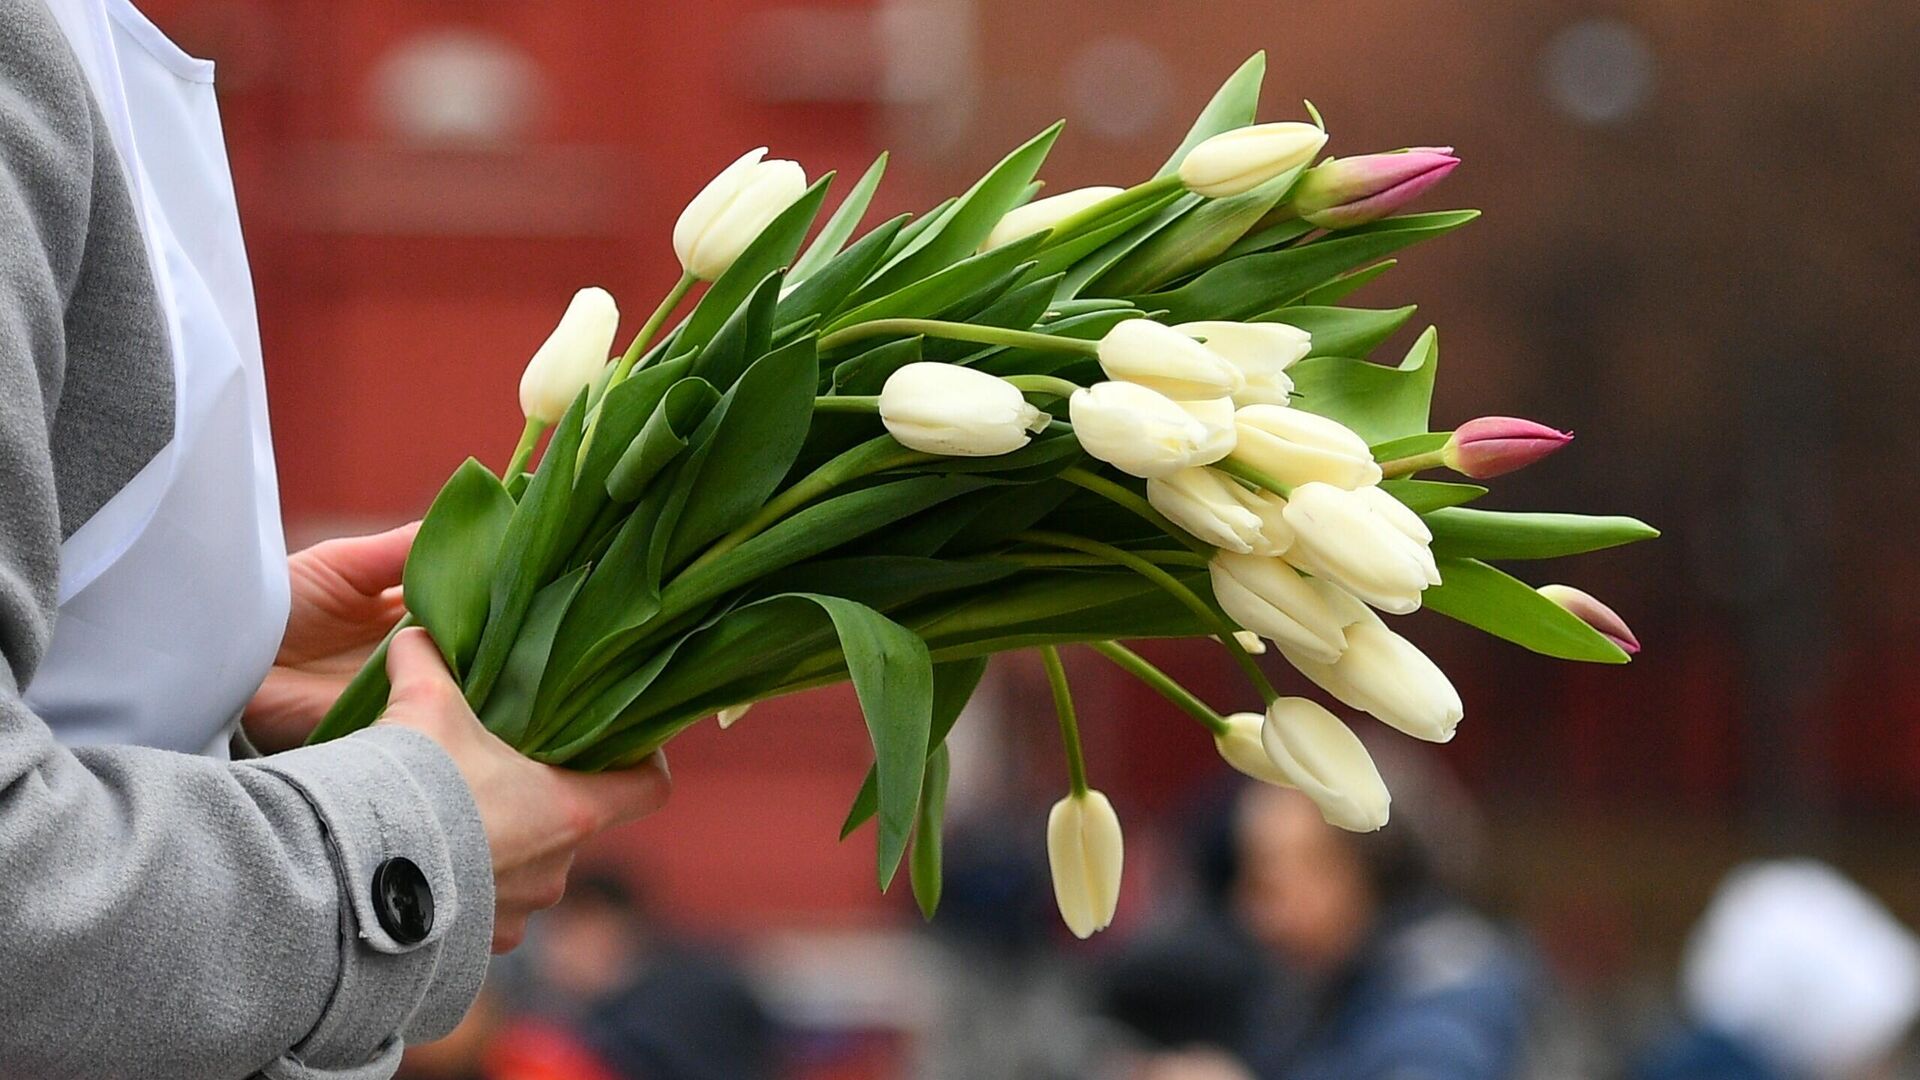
1698 253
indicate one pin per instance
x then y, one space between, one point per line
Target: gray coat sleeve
161 915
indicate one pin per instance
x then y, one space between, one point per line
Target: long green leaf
953 686
451 565
1338 331
827 291
1378 402
928 296
661 439
1492 534
1424 496
840 227
1483 597
509 708
1345 285
743 338
924 865
1234 105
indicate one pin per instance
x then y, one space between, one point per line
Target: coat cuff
389 793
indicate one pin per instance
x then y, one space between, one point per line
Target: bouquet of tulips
1012 422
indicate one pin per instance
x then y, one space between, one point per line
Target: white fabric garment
173 597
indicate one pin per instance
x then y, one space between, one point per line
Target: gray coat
161 915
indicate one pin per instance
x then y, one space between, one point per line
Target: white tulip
1345 537
1161 358
732 210
1084 849
1262 351
1384 675
1237 161
1042 215
956 411
1202 502
731 715
1270 598
1216 417
1319 754
571 357
1275 536
1298 447
1240 746
1142 432
1409 525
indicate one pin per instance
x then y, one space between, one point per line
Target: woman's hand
346 597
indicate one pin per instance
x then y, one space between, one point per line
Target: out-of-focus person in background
1793 973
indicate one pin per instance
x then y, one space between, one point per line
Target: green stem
1069 724
523 450
1043 384
654 322
956 331
1121 496
1259 479
1407 466
1222 627
1162 683
850 403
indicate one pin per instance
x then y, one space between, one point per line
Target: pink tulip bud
1495 445
1344 192
1594 614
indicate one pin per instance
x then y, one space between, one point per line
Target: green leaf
1018 308
1483 597
452 561
743 338
927 296
1270 237
623 412
1082 273
364 697
839 228
1338 331
1254 283
1411 446
1234 105
1491 534
953 686
867 372
923 868
1105 222
1346 284
661 439
1424 496
921 229
1379 403
963 228
1198 238
771 250
885 582
1090 326
509 708
826 292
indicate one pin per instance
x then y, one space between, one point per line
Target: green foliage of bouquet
1003 424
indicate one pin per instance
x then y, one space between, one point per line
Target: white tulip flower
1346 538
732 210
1384 675
1142 432
571 357
1275 535
1297 447
956 411
1161 358
1240 747
1263 351
1272 599
1202 501
1235 162
1042 215
1084 849
1319 754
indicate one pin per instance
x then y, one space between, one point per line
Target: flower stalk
1069 723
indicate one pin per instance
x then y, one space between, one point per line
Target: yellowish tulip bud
1235 162
956 411
1085 850
1262 351
1041 215
1297 447
1319 754
571 357
732 210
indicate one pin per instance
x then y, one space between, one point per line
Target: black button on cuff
403 901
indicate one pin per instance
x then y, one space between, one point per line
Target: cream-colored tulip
1384 675
1319 754
1345 537
1297 447
1240 747
732 210
571 357
1262 351
1216 417
1275 535
1159 357
1085 850
1202 502
1270 598
1237 161
1408 524
1141 432
956 411
1042 215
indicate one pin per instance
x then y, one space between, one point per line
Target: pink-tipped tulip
1496 445
1344 192
1595 614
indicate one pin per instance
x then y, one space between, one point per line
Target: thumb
417 673
622 795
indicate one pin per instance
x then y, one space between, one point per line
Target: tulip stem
848 403
1069 724
651 327
1161 683
1223 627
1043 384
1256 477
523 450
1121 496
956 331
1413 463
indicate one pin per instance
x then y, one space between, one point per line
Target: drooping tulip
1496 445
1319 754
1161 358
1343 537
1085 851
1384 675
1297 447
956 411
1270 598
1237 161
1263 352
1202 502
571 357
1041 215
1240 747
732 210
1141 432
1595 614
1344 192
